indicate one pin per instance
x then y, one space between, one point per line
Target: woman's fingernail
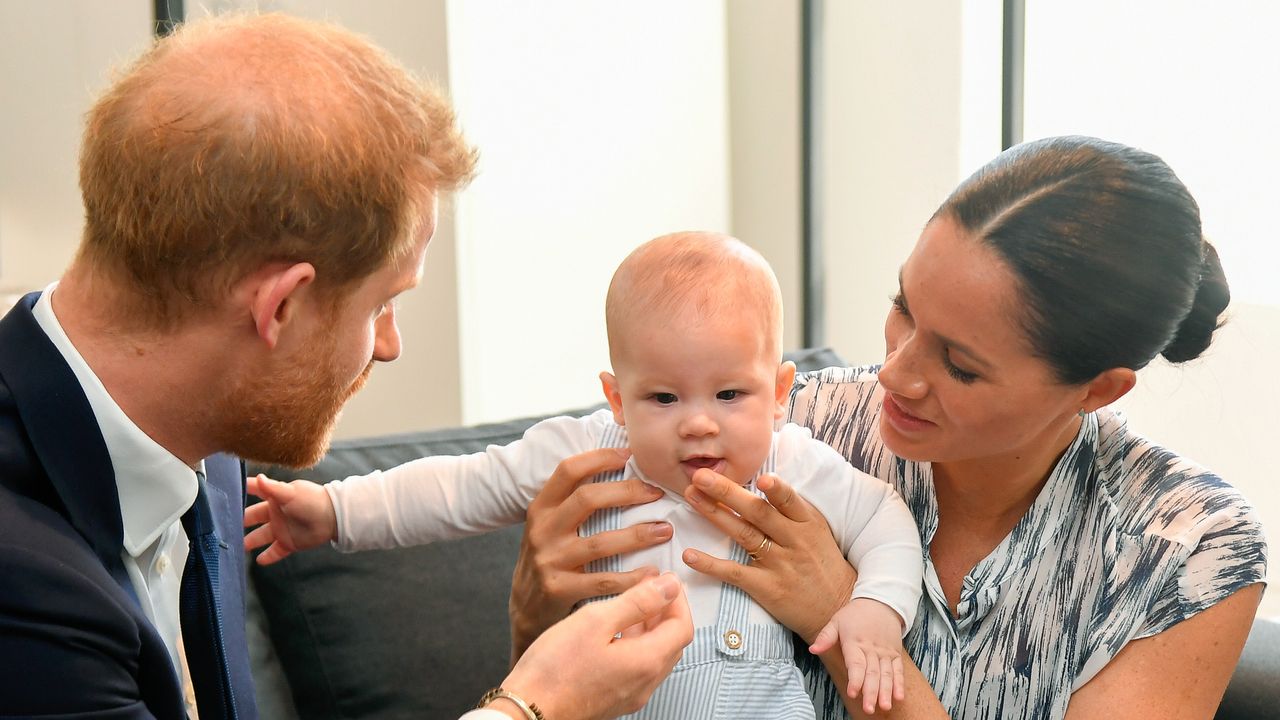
660 531
691 557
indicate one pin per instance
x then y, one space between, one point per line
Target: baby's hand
295 516
870 637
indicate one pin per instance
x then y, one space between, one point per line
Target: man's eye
727 394
664 398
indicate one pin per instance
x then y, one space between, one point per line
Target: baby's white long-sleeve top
444 497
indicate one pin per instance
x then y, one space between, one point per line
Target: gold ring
763 549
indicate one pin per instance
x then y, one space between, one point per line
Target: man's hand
549 578
580 670
870 637
295 516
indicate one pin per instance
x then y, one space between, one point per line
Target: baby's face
698 395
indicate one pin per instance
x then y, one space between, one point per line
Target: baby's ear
613 394
782 389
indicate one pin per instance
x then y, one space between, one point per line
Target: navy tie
201 615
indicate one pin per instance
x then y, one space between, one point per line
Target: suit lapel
65 435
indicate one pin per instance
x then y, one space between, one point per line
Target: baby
695 334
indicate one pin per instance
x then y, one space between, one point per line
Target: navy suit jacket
74 642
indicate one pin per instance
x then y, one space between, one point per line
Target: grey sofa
420 633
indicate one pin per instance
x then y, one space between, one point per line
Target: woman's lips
902 420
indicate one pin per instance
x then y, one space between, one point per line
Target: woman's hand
801 577
549 577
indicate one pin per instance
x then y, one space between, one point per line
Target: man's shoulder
40 533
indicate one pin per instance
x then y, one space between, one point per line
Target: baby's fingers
887 682
855 661
870 684
826 639
259 536
257 514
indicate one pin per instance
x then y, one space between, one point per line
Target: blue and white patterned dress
1125 540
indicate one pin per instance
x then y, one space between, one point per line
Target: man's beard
288 418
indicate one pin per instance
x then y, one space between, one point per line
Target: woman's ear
274 299
613 394
782 388
1108 387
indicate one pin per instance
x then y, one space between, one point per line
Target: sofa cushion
415 632
1254 692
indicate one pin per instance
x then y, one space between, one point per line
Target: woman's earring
1081 413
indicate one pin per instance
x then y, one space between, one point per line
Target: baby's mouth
693 464
703 462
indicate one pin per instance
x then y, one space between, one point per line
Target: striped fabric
733 670
1125 540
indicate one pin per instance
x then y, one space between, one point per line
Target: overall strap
615 436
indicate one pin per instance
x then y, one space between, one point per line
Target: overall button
733 639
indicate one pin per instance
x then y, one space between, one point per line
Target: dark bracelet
530 710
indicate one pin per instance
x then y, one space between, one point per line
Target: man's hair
699 273
244 140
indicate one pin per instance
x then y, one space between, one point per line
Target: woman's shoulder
832 389
840 375
1159 492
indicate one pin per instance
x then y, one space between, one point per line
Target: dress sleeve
1230 554
871 524
443 497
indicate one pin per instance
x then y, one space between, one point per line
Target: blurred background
822 133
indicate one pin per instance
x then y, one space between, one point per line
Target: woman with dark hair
1074 569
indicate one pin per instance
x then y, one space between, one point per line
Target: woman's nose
900 373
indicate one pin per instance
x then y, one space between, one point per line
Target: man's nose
386 338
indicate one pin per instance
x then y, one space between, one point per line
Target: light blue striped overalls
732 670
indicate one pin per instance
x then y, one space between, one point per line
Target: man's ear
613 394
1107 387
782 388
275 296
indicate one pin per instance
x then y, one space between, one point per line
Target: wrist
839 600
510 704
506 707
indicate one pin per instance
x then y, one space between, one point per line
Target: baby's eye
728 394
664 398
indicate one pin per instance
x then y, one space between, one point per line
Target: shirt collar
154 486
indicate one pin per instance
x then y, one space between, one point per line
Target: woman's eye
727 394
963 376
664 398
900 304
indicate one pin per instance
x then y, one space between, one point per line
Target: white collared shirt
154 486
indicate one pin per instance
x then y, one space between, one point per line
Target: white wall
764 140
54 57
892 92
601 125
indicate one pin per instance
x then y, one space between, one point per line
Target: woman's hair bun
1212 296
